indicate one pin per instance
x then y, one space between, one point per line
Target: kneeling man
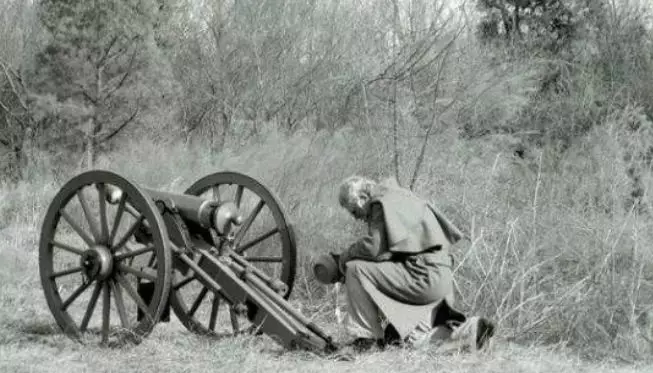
399 277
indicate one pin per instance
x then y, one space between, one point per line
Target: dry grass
172 349
553 256
558 253
30 342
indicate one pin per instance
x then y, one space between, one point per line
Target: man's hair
351 187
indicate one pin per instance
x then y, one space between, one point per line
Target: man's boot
471 335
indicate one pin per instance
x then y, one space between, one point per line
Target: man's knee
352 269
356 268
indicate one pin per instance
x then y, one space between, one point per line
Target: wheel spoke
91 223
91 306
214 310
234 320
66 272
198 301
68 248
89 241
134 213
117 218
134 253
152 261
129 233
136 272
248 222
215 192
106 308
184 282
239 195
74 295
120 304
264 259
134 295
258 240
104 226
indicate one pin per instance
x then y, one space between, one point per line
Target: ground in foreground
38 346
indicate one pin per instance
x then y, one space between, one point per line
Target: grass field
35 347
31 342
541 262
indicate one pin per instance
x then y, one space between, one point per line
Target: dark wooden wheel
89 258
264 239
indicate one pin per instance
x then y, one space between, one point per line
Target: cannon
220 253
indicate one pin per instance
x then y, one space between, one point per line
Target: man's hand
342 260
336 257
341 266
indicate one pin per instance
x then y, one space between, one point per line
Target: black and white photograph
326 186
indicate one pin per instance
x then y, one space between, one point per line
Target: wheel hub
97 262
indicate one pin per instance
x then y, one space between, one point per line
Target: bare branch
436 116
124 77
3 141
446 48
94 101
419 52
7 72
6 109
124 124
197 122
216 32
107 50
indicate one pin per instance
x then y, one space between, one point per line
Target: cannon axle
97 262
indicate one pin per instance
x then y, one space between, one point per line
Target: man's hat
325 269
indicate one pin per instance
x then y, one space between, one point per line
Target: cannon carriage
115 259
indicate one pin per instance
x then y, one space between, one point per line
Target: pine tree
101 71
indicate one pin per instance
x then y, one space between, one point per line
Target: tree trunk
395 132
94 127
396 19
17 170
398 39
516 27
90 144
226 123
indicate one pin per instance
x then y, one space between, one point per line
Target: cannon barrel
191 208
205 213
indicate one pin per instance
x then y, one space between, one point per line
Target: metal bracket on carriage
240 309
224 216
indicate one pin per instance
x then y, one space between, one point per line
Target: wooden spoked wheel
89 259
264 239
